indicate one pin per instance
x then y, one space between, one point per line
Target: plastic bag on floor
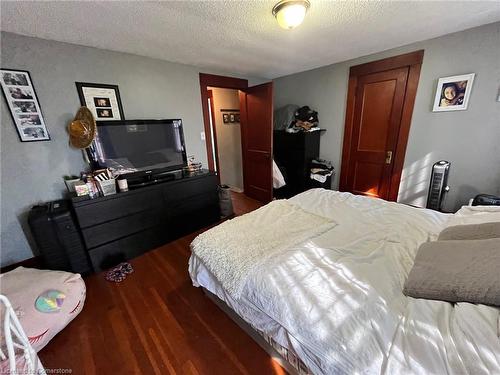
225 202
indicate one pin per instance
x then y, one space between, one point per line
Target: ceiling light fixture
290 13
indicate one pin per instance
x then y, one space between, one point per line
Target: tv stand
124 225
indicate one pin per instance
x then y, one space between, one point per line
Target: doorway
254 108
379 106
226 133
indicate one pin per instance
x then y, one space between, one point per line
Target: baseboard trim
235 189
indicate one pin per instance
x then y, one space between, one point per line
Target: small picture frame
230 116
24 107
453 93
103 100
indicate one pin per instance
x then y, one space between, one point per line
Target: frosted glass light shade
290 13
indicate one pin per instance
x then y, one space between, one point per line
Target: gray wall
32 172
228 139
469 139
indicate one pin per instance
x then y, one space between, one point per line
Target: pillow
475 215
471 232
457 271
25 287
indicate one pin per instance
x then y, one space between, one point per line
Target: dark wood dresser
124 225
293 152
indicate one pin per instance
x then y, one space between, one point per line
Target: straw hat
82 129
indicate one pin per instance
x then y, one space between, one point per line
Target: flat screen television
140 147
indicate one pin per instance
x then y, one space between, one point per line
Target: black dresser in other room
293 153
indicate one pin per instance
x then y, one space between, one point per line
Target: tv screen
132 146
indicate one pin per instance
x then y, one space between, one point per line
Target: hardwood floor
156 322
243 204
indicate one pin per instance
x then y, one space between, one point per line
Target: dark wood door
377 117
377 126
256 110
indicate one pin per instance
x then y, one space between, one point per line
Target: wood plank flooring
156 322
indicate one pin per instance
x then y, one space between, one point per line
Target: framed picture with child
453 93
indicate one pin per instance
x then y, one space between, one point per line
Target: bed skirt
285 357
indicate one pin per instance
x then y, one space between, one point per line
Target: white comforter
336 299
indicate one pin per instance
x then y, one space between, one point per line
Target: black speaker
57 237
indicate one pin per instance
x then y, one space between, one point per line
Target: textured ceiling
242 36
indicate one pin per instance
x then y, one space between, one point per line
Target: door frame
413 61
212 80
214 132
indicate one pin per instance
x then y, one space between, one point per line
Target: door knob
388 157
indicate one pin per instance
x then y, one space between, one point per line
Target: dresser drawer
91 213
122 227
185 191
109 255
192 217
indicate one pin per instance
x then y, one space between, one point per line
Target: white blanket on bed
233 249
337 299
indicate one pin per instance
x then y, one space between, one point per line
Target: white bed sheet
336 299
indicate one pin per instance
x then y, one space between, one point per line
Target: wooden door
256 116
380 102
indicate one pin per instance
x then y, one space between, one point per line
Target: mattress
335 300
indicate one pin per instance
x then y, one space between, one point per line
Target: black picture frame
39 113
81 85
230 116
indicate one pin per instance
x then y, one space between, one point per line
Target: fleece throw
233 249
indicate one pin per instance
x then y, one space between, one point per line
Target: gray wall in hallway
32 172
469 139
228 139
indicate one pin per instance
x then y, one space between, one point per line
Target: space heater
439 185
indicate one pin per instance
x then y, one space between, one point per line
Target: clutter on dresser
321 169
193 166
94 184
321 174
284 116
103 180
294 119
122 184
70 182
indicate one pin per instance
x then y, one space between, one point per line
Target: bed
334 300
